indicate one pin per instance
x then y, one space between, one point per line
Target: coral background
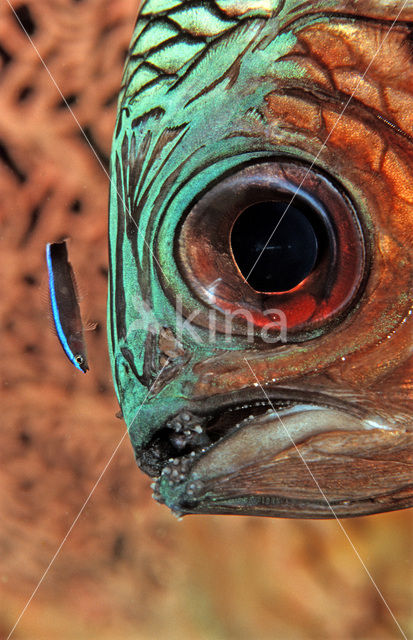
128 569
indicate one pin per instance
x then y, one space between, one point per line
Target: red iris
275 235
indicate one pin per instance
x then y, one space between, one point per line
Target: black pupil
290 254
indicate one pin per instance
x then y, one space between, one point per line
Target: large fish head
266 373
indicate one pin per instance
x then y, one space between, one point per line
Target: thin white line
127 209
46 571
328 137
327 501
154 257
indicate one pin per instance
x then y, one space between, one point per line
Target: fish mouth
289 454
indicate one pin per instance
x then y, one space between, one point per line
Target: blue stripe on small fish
56 313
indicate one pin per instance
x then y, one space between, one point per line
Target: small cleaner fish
65 304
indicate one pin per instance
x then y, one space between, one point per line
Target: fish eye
275 236
79 359
275 245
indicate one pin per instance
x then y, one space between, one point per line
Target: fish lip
207 411
281 507
271 397
184 496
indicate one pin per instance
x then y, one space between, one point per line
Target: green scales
243 357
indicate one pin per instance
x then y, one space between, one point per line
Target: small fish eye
79 359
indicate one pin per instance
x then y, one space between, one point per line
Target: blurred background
129 569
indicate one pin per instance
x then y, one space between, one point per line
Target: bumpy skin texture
208 90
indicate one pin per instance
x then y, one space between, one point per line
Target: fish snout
281 456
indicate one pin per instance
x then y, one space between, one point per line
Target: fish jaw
302 460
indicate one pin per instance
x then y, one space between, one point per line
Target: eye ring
79 359
206 259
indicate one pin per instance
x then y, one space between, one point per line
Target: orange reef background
129 569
